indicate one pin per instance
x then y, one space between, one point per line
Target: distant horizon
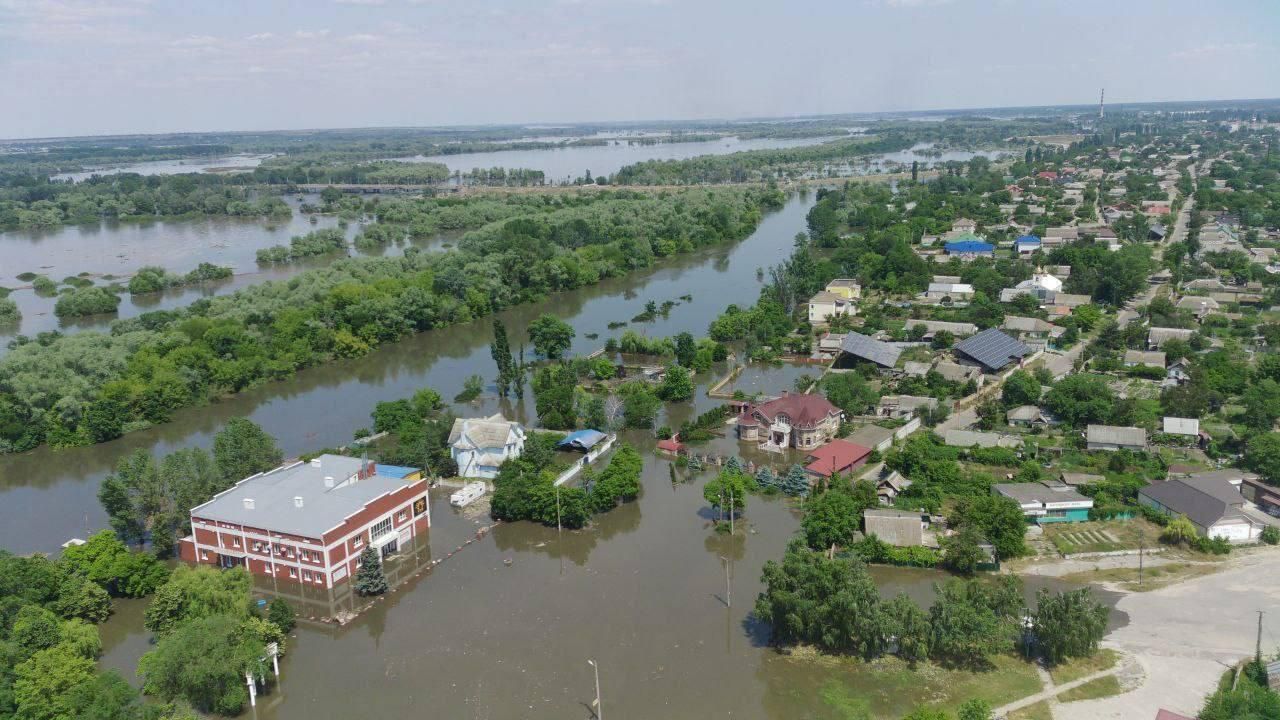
92 68
555 124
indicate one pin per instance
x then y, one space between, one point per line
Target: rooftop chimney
297 501
248 503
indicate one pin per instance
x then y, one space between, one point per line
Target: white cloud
366 3
1203 52
311 34
195 41
260 36
362 38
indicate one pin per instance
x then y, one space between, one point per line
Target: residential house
845 287
1030 416
1111 437
858 348
1027 244
1158 336
964 225
480 445
957 373
1178 372
933 327
1211 504
949 293
308 522
1046 502
900 528
1151 358
1042 285
890 484
912 368
1078 479
790 421
838 457
992 349
1035 332
825 305
1181 426
969 248
872 436
904 406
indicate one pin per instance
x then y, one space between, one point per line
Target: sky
89 67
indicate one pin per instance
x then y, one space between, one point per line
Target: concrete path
1051 691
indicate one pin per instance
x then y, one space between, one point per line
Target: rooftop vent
328 481
248 503
315 462
297 501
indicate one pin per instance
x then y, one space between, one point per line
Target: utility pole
597 705
1142 546
730 511
728 589
1258 650
558 528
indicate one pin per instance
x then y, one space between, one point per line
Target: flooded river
564 165
48 496
503 629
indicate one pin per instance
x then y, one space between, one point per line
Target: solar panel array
864 347
993 349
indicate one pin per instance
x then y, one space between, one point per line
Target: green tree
242 448
197 592
1179 531
911 628
1020 388
1068 624
1079 400
43 684
204 662
551 336
369 579
999 519
1262 455
974 709
796 482
962 551
35 629
968 625
834 517
109 563
281 614
677 385
1262 404
639 407
729 486
500 351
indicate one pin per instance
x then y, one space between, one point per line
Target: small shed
581 440
1111 437
1182 426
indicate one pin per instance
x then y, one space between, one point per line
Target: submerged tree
370 580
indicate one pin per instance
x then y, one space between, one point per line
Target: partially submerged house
791 421
480 445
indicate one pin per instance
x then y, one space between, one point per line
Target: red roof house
1047 175
1163 714
671 445
793 420
837 456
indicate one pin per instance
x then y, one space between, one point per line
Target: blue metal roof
1028 239
396 471
581 439
969 246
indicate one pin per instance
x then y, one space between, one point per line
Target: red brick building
308 521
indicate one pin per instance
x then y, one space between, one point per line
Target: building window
402 515
306 575
293 573
382 528
357 541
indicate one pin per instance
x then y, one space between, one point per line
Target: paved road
1186 636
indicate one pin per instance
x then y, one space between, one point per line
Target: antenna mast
1102 104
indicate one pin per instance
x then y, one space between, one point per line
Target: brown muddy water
642 592
48 496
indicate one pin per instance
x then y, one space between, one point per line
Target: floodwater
650 592
48 496
564 165
120 248
922 153
172 167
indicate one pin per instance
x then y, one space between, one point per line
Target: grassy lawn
1102 536
1077 668
1154 578
1105 686
1039 711
887 688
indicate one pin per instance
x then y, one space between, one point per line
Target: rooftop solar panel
993 349
880 353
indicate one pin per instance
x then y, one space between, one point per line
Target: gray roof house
1153 358
900 406
1158 336
896 527
872 436
1111 437
992 349
861 347
1028 415
973 438
1213 505
480 445
1181 426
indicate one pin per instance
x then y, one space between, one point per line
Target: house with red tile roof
790 421
836 457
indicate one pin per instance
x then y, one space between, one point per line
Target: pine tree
766 478
796 482
518 375
370 579
695 464
733 464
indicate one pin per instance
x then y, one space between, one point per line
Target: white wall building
480 445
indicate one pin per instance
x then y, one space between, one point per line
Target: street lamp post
728 589
599 706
